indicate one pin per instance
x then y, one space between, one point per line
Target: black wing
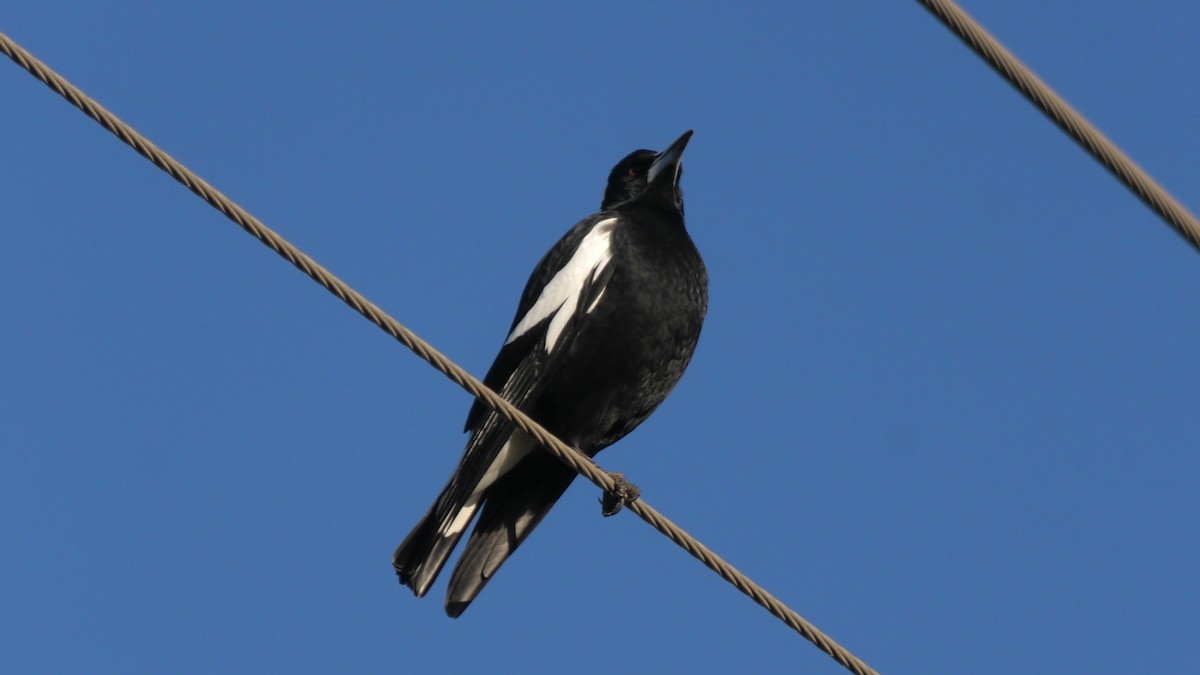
523 367
514 353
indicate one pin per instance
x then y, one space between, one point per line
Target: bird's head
643 169
628 178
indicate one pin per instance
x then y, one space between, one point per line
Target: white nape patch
560 297
514 450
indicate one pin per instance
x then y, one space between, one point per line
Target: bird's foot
623 493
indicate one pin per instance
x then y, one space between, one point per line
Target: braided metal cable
571 457
1067 118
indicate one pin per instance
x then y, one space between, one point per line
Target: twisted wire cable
1067 118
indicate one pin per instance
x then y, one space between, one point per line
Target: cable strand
1067 118
568 455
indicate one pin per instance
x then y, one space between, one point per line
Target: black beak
667 161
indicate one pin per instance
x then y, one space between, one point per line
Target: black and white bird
604 330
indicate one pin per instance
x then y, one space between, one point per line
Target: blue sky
944 404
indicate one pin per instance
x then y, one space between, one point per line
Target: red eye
632 171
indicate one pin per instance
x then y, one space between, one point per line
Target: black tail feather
423 553
513 507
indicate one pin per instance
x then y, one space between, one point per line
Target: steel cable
1067 118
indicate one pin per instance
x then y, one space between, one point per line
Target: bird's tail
515 505
423 553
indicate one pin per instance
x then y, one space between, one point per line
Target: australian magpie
607 323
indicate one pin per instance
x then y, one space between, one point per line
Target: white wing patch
561 296
514 450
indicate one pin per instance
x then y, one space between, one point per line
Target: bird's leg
623 493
